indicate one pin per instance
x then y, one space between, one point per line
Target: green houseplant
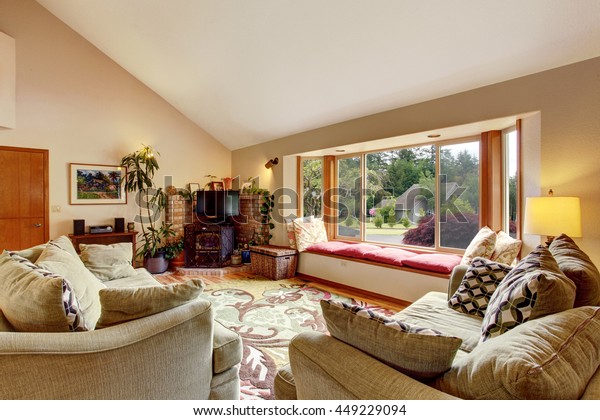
141 166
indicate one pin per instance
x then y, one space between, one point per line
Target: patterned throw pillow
478 285
309 233
36 300
421 353
534 288
507 248
482 245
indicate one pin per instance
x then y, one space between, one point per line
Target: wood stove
208 245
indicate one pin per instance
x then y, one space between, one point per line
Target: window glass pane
312 182
348 198
401 196
459 194
510 183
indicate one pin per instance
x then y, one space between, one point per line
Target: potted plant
174 253
141 166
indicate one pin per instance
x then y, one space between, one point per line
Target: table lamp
552 216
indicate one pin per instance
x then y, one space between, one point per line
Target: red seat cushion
393 256
439 263
357 250
330 247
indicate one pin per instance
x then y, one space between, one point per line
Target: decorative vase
157 264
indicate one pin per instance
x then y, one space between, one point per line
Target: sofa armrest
326 368
456 277
163 356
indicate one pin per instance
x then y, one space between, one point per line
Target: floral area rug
267 315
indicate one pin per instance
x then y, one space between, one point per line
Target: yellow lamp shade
552 216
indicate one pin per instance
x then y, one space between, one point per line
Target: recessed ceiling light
434 136
340 150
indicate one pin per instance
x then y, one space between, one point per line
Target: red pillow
330 247
394 256
357 250
439 263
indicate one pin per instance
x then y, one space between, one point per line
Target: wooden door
24 203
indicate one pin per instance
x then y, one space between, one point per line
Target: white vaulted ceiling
250 71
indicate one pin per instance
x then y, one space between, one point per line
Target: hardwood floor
361 296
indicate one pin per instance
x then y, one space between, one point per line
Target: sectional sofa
91 326
531 331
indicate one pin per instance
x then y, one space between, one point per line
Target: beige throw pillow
482 245
108 262
579 268
35 300
421 353
309 233
506 249
127 303
85 284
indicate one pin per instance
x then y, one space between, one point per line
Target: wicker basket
273 262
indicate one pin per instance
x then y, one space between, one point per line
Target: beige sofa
554 355
176 353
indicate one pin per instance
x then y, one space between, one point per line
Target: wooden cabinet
104 239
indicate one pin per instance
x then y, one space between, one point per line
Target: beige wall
84 108
564 136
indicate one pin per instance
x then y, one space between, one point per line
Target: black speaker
79 227
119 224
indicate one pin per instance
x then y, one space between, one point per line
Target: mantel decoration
141 166
97 184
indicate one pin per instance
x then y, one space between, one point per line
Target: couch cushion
579 268
127 303
227 348
331 247
552 357
36 300
421 353
108 262
482 245
357 250
534 288
393 256
506 248
438 263
33 253
432 311
478 285
85 284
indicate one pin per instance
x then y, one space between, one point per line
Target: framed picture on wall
96 184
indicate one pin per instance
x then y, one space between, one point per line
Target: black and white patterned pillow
70 303
478 285
534 288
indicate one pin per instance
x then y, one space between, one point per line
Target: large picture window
433 196
400 193
312 187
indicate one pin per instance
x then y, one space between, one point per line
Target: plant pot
178 261
157 264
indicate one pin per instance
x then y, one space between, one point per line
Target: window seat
388 271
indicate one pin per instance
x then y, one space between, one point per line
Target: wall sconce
552 216
271 163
